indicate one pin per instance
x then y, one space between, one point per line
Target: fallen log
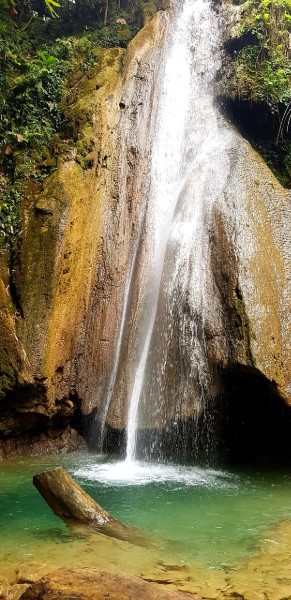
68 501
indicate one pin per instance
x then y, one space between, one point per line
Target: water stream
166 175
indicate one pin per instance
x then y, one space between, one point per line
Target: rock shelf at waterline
99 585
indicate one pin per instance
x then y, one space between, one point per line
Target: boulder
54 441
90 584
31 572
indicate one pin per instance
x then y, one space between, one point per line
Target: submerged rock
31 572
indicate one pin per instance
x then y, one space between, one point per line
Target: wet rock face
55 441
16 375
251 264
44 339
250 259
14 370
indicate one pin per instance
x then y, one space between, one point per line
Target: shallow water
211 519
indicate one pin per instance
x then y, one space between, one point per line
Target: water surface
210 518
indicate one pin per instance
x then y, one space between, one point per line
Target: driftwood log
68 501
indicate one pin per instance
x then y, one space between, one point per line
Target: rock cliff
60 325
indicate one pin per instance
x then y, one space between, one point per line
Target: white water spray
165 182
188 172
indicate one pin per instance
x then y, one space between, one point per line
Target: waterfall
166 174
187 173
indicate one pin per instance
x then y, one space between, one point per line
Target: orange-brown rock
77 239
54 441
16 375
31 572
90 584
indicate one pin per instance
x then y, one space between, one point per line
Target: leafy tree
10 5
263 68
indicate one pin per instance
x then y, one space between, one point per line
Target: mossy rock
148 10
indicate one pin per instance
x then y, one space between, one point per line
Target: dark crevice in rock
26 409
238 43
14 293
254 420
260 126
89 426
84 424
254 120
30 426
114 442
248 423
23 409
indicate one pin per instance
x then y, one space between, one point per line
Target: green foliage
47 59
9 212
51 6
278 158
30 91
10 5
263 69
32 84
38 55
113 35
74 15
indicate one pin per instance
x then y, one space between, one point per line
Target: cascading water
187 173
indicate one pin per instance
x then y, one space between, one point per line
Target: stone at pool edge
31 572
57 441
91 584
10 591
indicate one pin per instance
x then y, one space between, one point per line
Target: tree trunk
106 12
69 502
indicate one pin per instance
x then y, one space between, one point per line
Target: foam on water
140 473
